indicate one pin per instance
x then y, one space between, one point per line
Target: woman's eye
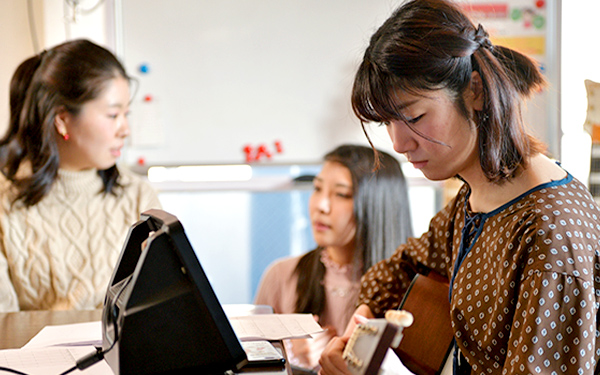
113 115
413 120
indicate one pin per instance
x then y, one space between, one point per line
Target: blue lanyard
470 232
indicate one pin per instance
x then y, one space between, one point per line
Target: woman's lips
320 227
116 152
419 164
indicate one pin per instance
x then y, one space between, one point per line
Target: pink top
278 289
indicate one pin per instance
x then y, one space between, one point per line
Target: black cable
6 369
81 364
87 361
69 370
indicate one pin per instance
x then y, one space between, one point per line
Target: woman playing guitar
519 242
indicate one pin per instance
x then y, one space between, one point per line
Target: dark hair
431 44
66 76
382 214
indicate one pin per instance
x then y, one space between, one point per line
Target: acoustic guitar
426 348
423 342
370 341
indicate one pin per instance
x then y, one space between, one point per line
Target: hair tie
482 37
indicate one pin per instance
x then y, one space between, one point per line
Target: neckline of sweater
79 181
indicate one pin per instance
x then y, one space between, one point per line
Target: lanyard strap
470 232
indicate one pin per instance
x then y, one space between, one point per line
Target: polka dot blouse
525 279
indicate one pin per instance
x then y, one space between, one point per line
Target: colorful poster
517 24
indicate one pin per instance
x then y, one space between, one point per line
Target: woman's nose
401 136
324 205
123 131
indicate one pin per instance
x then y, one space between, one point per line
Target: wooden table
17 328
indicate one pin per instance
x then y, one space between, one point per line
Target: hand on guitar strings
305 353
332 362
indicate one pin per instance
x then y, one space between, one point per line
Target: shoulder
5 184
7 193
127 177
280 272
557 227
282 266
138 188
277 287
564 200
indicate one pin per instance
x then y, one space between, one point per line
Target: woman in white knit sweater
65 206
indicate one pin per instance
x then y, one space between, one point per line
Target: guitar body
427 344
420 333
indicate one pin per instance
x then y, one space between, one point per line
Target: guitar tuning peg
400 318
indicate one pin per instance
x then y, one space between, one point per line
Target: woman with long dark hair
359 215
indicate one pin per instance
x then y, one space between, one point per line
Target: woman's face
97 133
331 207
452 147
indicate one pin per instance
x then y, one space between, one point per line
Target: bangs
374 94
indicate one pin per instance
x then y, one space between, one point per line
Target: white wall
16 43
54 23
580 61
90 19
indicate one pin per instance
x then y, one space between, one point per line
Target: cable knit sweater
60 253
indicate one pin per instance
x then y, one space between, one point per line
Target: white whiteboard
223 74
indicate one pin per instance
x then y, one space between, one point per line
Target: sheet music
54 360
274 326
77 334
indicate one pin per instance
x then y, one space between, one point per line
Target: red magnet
248 151
263 151
278 147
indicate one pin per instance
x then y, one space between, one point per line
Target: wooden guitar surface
427 343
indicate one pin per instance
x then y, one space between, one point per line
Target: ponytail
508 77
430 45
19 84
